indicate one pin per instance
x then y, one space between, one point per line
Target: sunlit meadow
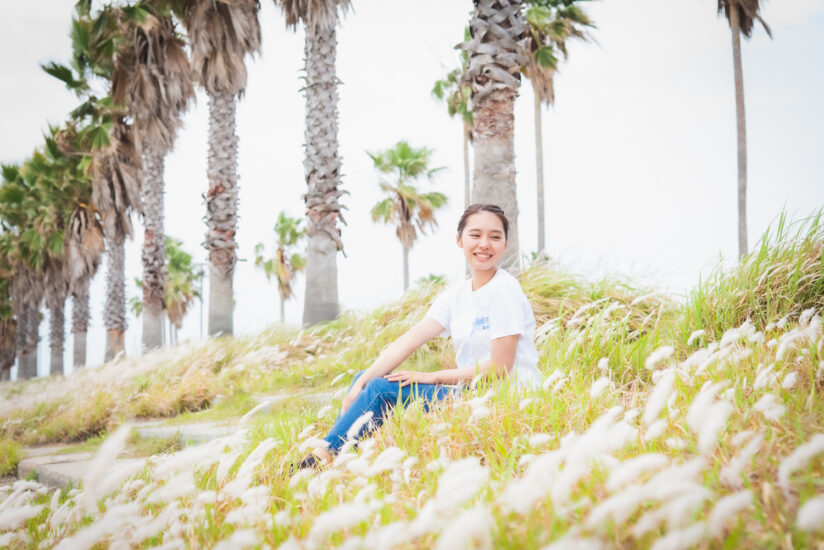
659 425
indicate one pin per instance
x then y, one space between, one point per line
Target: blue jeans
380 396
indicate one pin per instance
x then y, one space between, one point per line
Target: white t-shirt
475 318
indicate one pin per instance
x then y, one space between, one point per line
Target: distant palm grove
134 68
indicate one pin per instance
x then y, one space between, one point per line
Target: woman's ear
459 242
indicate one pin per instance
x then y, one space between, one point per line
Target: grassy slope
507 469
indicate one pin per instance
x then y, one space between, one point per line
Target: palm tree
60 189
285 264
221 34
406 206
116 181
84 235
742 15
180 289
551 23
18 204
496 54
322 164
457 96
85 246
152 78
110 157
34 203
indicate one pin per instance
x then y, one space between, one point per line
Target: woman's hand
407 377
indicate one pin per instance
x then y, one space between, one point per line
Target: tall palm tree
84 250
285 264
496 54
33 208
56 181
18 205
742 15
322 163
152 78
457 97
116 179
180 289
406 206
550 24
82 235
107 145
52 173
221 34
84 240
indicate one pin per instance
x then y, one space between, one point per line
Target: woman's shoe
309 461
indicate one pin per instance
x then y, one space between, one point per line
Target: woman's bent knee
381 385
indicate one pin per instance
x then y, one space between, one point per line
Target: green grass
182 384
783 276
154 445
231 407
586 331
9 457
88 446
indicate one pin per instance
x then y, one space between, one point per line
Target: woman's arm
502 358
394 354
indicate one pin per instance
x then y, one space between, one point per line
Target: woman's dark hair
491 208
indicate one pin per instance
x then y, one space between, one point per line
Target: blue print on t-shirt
480 323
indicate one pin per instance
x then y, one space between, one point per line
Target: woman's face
483 240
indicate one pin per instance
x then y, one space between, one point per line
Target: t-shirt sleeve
507 313
441 311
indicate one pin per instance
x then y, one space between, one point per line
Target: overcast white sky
640 150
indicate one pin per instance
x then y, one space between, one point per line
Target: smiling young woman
488 318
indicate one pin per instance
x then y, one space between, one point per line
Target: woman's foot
316 459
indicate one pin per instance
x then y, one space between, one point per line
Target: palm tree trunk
282 310
57 329
467 183
8 334
405 268
539 174
742 131
114 312
221 211
494 178
32 338
19 307
154 257
20 343
322 168
80 322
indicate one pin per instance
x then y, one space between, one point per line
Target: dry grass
168 383
646 433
